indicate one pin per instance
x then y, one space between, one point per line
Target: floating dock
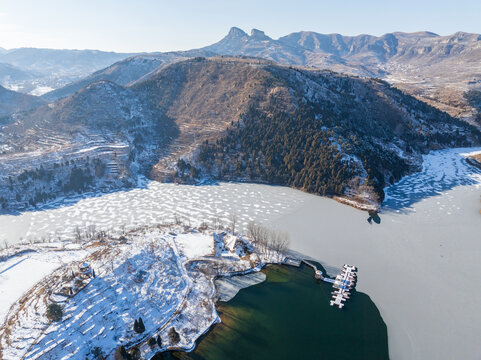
343 283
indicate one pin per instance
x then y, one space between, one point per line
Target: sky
158 25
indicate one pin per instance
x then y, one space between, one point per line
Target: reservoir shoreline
315 329
429 225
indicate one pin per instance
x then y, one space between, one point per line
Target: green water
288 317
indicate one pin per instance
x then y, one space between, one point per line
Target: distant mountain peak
461 35
417 34
235 32
428 33
258 34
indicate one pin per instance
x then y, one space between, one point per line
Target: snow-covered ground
164 275
20 273
40 90
418 266
194 245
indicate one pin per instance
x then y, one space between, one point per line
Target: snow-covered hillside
127 71
36 71
280 121
164 275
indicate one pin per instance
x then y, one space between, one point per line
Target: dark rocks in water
374 216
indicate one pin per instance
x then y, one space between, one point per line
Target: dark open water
288 317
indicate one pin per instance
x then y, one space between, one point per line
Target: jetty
317 272
343 283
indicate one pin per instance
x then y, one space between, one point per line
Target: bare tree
259 235
77 234
233 222
91 230
204 225
252 232
216 223
177 219
279 243
269 242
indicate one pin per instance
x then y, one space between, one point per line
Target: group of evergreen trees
322 148
157 341
122 354
474 99
134 353
139 326
282 149
39 185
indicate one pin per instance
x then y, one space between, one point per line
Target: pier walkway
343 282
317 272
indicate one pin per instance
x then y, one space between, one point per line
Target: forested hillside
280 148
226 118
328 134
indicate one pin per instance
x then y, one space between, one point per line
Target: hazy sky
149 25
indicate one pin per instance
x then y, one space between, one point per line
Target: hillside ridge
185 119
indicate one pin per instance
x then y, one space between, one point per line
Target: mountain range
47 69
228 118
245 108
360 54
436 69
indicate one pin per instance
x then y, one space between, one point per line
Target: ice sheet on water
229 287
157 203
442 171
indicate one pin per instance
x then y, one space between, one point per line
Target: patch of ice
442 171
229 287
